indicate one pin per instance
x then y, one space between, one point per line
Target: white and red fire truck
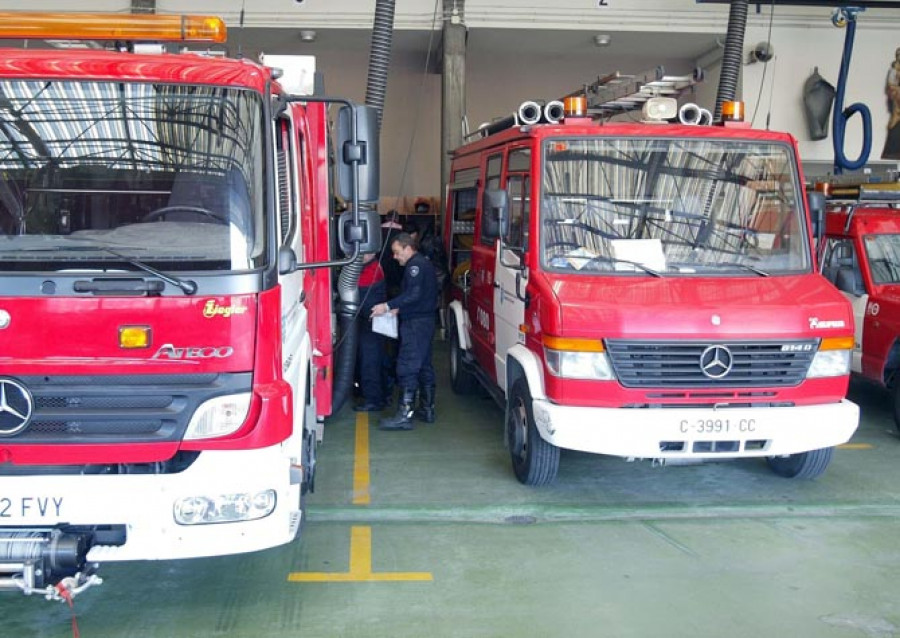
645 290
165 336
861 256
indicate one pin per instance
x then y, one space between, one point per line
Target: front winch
46 562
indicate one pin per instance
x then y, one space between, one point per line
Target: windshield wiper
748 267
187 286
614 260
728 264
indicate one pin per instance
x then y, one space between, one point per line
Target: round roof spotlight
602 40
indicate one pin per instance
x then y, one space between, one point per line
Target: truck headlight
203 509
578 365
829 363
219 416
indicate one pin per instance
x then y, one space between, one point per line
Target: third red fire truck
861 256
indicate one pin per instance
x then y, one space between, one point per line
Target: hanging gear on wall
818 97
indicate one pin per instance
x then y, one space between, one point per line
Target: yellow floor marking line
856 446
360 565
361 494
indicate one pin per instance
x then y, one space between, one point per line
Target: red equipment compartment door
481 298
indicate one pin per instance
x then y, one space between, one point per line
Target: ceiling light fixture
602 39
307 35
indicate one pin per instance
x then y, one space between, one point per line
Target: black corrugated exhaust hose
380 55
348 281
732 56
348 328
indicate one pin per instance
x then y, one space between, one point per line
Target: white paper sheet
385 324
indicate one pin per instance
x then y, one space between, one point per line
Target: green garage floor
451 545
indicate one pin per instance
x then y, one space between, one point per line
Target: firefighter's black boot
405 409
425 411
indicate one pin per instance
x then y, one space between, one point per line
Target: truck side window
465 196
491 181
518 183
883 256
841 266
286 164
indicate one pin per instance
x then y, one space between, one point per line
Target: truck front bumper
145 506
696 433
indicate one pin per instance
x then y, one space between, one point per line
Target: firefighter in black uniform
415 306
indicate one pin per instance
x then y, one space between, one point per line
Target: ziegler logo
213 309
168 351
815 322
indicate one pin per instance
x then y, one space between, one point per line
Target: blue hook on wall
846 16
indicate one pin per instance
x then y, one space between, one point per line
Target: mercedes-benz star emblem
16 407
716 362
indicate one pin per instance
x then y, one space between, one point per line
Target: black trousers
414 358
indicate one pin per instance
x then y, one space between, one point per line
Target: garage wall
497 84
798 51
503 70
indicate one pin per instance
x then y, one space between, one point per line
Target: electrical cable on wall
766 60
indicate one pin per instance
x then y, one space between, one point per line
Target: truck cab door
484 256
841 267
290 201
511 276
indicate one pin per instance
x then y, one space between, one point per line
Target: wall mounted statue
892 89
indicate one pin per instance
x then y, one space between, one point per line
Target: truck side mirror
367 233
495 213
362 153
816 202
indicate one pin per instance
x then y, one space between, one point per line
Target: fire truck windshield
167 175
693 207
883 253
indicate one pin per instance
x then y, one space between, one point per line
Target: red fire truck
861 257
645 290
165 296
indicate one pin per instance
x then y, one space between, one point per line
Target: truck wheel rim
518 435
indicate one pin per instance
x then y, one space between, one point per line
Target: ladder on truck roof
620 93
851 192
858 188
609 95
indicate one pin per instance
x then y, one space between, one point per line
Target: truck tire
461 379
534 461
805 465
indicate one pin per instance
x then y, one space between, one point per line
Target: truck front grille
119 408
681 364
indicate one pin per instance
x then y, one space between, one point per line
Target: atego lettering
169 351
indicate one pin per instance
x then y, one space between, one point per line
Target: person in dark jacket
415 307
370 353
